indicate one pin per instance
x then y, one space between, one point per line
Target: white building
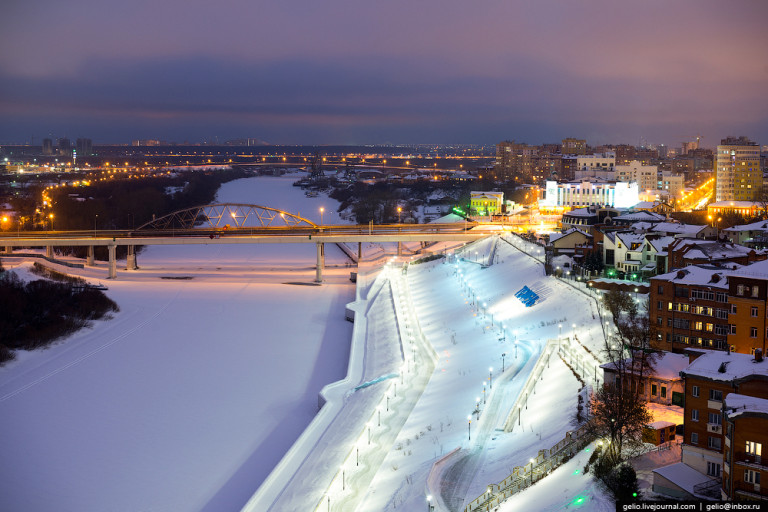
601 165
646 176
576 194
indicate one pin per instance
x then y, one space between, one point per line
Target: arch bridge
224 215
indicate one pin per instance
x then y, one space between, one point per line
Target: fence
525 476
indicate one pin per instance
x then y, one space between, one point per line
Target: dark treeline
37 313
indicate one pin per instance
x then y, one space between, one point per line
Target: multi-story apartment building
600 165
689 307
748 289
571 146
745 421
737 170
646 176
514 161
726 418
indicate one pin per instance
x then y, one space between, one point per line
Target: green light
577 472
586 449
578 500
634 495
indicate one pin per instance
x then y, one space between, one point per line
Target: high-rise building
515 161
65 147
573 146
84 147
737 170
47 147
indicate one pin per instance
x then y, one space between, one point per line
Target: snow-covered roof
660 244
682 475
581 212
733 204
630 238
761 225
662 365
712 249
557 236
724 366
703 275
677 228
758 269
736 405
656 425
641 215
448 219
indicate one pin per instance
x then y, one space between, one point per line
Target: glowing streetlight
399 211
322 211
469 427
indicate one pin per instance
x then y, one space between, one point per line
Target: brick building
689 307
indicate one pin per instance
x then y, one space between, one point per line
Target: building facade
737 170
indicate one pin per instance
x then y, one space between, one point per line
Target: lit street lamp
430 508
399 211
469 427
322 210
483 392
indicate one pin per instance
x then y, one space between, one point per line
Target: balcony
741 457
715 404
748 490
714 428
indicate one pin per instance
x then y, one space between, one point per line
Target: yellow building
486 203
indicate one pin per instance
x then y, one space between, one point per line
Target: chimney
758 355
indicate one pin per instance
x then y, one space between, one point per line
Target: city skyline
345 73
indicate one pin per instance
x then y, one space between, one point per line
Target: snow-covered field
190 396
194 391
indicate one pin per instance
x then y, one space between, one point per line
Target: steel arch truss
234 215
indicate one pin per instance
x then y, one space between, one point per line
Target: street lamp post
490 377
322 210
503 355
483 392
399 211
94 224
50 216
343 480
469 427
429 503
369 432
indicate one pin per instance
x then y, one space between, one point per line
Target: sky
395 71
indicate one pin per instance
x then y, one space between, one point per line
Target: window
695 391
669 321
722 297
740 289
754 448
713 469
694 415
714 443
663 391
753 332
751 476
659 321
658 305
716 395
733 309
653 389
714 418
755 291
733 328
694 438
754 311
698 325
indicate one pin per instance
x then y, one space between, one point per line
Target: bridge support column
320 262
49 251
359 252
399 249
130 259
90 258
112 261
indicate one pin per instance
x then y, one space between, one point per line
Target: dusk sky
391 71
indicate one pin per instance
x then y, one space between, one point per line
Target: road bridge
250 224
